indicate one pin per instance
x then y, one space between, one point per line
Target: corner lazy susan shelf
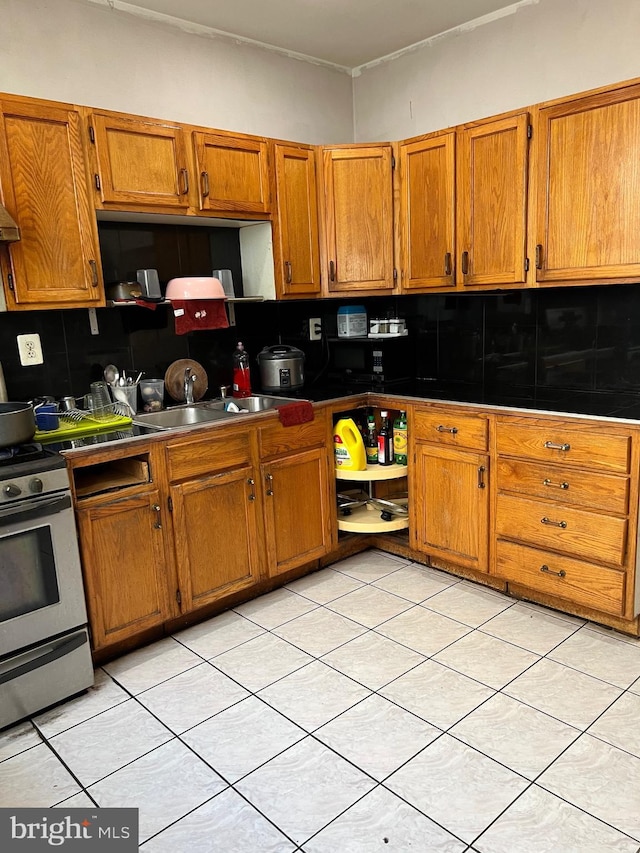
367 518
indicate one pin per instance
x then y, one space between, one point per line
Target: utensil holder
127 394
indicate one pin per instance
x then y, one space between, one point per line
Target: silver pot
17 423
281 368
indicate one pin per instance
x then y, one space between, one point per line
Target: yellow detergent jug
348 446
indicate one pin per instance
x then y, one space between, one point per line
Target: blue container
47 417
352 321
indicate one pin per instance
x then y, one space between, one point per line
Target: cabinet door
122 550
427 212
297 511
139 162
451 504
216 535
44 187
358 187
492 202
296 241
588 217
233 173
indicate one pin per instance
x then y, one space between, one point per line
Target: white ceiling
346 33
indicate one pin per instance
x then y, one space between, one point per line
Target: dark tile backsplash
535 345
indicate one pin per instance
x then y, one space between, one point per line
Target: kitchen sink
254 403
180 417
206 412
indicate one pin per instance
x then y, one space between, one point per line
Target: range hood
9 231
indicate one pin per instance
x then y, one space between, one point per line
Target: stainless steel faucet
189 379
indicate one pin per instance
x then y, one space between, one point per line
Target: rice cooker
281 368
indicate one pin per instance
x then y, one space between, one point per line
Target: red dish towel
143 303
295 413
194 314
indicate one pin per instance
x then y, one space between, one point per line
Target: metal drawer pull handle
548 571
287 265
448 269
204 181
269 479
452 430
551 445
481 482
545 520
184 176
251 482
158 523
547 482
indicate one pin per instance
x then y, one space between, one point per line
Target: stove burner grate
22 453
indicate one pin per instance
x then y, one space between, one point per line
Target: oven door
41 591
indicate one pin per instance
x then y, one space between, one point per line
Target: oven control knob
11 490
35 485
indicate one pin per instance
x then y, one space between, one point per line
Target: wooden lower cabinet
577 581
122 548
451 505
216 541
566 511
296 509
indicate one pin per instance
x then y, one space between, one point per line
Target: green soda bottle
400 439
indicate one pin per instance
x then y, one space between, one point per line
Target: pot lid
279 351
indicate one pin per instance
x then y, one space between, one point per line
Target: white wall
542 51
74 51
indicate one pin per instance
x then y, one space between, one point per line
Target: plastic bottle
385 441
241 375
400 439
348 446
371 444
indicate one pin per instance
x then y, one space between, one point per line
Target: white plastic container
352 321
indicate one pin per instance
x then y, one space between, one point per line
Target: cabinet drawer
276 440
573 580
189 457
451 428
562 528
592 490
554 442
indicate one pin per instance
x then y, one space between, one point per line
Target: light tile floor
376 705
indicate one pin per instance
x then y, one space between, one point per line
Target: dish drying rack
123 410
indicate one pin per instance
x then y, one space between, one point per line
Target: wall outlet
315 328
30 350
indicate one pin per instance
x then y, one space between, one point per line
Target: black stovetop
30 458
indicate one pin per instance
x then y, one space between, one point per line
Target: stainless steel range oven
44 644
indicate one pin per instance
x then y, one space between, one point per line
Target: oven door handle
56 651
28 510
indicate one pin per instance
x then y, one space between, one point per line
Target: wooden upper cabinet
138 162
492 162
587 215
232 172
295 226
427 212
358 196
43 179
